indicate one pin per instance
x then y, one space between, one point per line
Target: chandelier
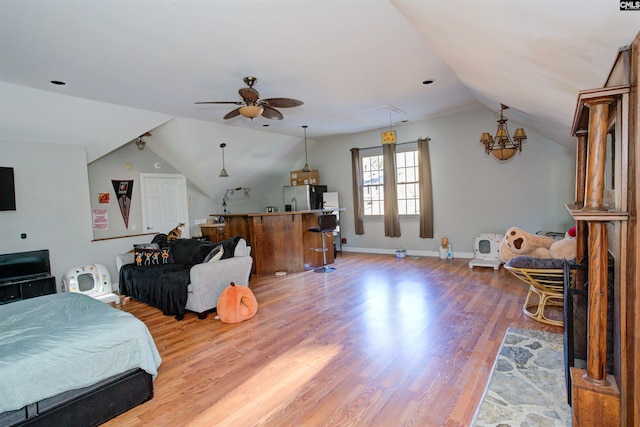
502 146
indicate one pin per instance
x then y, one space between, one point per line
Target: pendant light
223 172
306 167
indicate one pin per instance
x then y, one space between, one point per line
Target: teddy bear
565 248
517 242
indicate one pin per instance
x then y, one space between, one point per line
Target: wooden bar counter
281 241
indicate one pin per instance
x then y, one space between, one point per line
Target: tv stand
12 291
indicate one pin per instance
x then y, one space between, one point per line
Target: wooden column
582 235
598 246
596 152
597 343
581 166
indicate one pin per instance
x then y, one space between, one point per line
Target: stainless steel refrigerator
303 197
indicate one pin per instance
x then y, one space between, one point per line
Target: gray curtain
391 219
426 190
358 209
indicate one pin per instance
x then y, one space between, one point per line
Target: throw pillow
165 255
147 254
190 251
230 246
532 262
215 254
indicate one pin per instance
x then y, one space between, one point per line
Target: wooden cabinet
214 232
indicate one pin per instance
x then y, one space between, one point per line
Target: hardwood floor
380 342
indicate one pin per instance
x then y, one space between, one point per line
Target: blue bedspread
65 341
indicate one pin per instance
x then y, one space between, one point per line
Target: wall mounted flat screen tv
7 190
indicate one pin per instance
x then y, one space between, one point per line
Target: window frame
367 174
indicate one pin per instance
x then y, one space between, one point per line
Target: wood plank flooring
380 342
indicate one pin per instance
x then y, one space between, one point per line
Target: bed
68 359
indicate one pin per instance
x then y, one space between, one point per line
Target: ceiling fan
252 106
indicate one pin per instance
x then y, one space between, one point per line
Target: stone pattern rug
527 385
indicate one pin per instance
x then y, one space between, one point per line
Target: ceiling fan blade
271 113
282 102
249 94
220 102
231 114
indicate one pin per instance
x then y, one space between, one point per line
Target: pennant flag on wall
123 190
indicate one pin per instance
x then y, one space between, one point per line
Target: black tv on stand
25 275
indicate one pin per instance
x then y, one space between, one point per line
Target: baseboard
410 252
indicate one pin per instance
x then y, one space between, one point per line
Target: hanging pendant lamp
306 167
223 172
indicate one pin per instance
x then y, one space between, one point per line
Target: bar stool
326 223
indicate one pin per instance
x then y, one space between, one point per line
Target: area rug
527 384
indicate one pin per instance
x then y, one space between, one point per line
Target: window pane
366 163
401 175
412 191
402 208
412 207
376 177
402 193
411 175
411 158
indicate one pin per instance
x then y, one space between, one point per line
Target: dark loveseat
184 274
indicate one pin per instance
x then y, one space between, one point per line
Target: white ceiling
357 65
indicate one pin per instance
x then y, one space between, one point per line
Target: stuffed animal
236 303
565 248
517 242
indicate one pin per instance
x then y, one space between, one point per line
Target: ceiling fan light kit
252 106
502 147
251 111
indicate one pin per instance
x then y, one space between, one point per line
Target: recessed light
428 82
58 82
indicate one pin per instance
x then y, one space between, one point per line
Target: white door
164 202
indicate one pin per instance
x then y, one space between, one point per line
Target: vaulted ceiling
356 65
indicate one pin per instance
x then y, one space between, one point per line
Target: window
407 183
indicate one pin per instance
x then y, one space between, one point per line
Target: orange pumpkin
236 303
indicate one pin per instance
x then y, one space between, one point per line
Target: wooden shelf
579 214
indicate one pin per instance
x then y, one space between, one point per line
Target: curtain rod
397 143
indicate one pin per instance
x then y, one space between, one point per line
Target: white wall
52 203
472 193
128 162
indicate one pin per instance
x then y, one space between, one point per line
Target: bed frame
89 406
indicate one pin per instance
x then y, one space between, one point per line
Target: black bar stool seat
326 224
